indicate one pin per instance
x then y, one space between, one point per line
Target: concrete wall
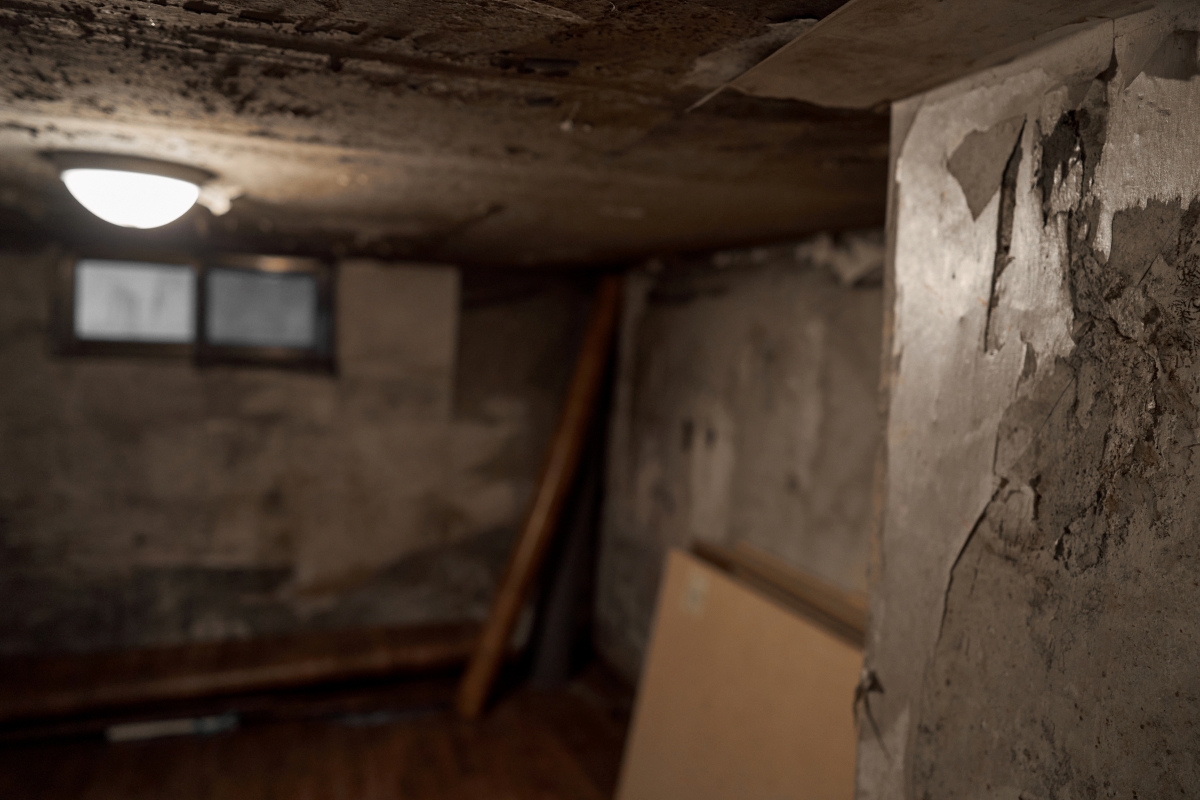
1034 630
147 501
745 410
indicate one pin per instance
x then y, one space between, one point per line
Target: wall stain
148 501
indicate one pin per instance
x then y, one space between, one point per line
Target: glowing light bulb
131 199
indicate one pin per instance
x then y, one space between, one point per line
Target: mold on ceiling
477 132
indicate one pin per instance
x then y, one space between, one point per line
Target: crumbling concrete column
1034 630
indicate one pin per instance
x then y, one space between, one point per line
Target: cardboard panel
740 698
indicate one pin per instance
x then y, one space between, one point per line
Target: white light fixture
128 191
131 199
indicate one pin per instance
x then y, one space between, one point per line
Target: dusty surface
509 132
745 411
880 51
1033 628
147 501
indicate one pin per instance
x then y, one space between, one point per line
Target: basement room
599 399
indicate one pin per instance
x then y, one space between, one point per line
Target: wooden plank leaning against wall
558 473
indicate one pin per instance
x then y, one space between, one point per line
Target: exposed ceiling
487 132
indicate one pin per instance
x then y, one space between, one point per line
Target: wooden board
875 51
541 522
838 611
46 686
740 698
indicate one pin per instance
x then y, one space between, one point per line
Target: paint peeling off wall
1033 631
745 411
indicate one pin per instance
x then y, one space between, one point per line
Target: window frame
321 358
66 342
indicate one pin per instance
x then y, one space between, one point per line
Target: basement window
266 309
233 309
128 301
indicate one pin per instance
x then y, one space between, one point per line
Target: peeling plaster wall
745 411
146 501
1033 629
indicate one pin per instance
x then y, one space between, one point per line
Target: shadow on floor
397 741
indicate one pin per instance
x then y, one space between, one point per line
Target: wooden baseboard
54 686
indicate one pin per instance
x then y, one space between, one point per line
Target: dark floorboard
550 745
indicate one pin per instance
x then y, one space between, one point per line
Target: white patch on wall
851 259
487 503
1150 153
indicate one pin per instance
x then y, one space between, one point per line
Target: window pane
261 309
129 301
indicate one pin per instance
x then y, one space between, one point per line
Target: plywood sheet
875 51
740 698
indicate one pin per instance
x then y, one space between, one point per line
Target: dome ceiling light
129 191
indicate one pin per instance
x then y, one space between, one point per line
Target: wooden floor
556 745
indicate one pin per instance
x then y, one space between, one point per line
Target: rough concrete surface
498 132
1033 629
745 411
148 501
